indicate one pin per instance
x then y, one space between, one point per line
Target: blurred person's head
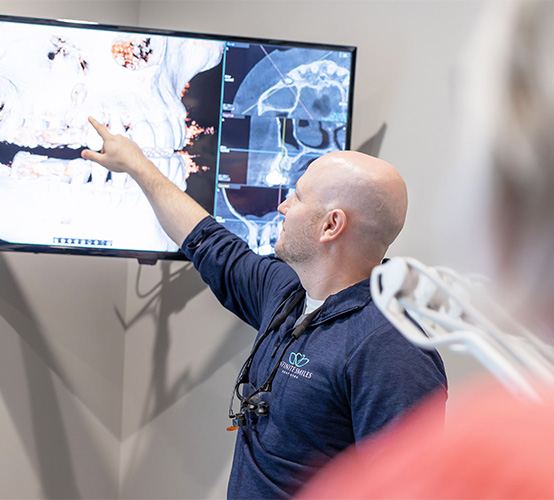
507 165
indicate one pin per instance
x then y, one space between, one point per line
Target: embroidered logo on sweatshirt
293 368
298 359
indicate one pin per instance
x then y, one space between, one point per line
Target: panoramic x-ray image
52 78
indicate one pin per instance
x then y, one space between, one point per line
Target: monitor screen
232 121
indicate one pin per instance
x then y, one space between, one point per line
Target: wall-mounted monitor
232 121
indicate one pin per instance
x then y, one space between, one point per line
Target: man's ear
334 224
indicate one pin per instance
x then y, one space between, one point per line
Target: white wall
125 12
62 348
115 377
183 352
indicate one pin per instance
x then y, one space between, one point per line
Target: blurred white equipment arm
455 311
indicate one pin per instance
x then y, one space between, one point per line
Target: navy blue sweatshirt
348 375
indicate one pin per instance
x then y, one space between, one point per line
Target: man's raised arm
177 212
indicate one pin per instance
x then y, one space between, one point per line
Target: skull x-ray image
52 78
283 108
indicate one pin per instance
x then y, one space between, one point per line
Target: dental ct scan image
233 123
290 106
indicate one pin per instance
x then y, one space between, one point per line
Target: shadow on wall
31 375
165 299
189 424
47 444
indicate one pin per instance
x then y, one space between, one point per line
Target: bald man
326 369
347 209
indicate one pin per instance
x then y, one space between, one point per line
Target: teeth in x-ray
59 135
265 247
177 171
119 179
164 136
99 175
79 170
318 72
182 134
278 171
28 166
93 140
143 134
173 168
116 127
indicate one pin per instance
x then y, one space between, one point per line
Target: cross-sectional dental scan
282 109
233 123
